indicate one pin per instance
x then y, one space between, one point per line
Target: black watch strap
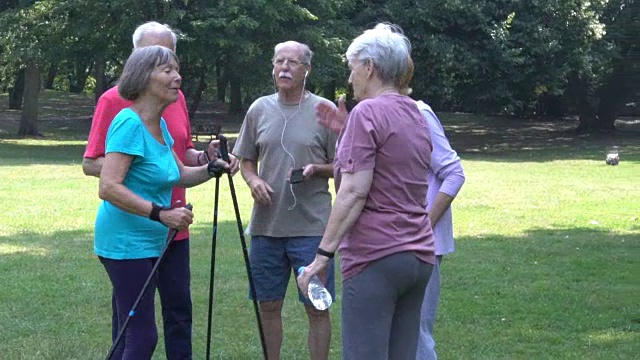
323 252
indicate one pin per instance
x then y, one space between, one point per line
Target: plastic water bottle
318 294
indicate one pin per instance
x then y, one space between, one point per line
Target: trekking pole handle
224 148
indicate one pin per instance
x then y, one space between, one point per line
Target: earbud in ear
273 73
306 73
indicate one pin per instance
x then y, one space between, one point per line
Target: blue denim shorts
273 260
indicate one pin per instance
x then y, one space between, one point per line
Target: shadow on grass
56 243
557 288
15 154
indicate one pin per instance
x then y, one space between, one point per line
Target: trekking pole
213 261
224 152
154 269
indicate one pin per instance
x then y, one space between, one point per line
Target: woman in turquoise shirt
139 171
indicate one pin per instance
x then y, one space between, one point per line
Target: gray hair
138 68
307 54
153 27
387 48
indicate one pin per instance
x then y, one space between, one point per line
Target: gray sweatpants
426 343
381 309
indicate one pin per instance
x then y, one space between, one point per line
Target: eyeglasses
291 62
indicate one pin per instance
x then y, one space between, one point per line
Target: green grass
546 267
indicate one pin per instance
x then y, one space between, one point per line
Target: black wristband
155 212
325 253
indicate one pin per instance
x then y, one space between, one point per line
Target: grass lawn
547 263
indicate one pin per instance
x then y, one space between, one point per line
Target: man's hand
261 191
330 117
213 152
309 171
212 149
234 164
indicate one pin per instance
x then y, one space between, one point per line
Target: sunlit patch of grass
611 336
6 249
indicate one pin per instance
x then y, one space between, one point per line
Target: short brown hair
403 84
138 68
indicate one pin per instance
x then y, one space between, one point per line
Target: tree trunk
51 77
221 83
16 92
101 81
584 102
78 79
29 118
197 97
235 105
611 102
617 89
329 90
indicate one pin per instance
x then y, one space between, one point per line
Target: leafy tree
28 35
230 44
608 75
516 57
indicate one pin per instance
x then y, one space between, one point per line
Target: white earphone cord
293 160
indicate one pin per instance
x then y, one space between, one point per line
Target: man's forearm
323 170
194 157
249 170
92 167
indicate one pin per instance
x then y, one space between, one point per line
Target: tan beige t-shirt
277 149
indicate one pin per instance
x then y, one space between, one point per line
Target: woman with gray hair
139 171
379 220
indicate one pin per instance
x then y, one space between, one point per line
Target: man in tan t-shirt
280 134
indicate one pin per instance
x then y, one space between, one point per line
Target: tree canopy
517 57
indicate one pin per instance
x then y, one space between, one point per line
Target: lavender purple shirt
445 175
388 135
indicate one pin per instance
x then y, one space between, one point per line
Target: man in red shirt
174 273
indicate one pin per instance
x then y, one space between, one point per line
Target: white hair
153 27
307 54
387 48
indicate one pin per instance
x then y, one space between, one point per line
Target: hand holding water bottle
312 287
317 293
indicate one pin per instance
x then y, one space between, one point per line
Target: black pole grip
224 148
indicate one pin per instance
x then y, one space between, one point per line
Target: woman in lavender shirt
379 219
445 179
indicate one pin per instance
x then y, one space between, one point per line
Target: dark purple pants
127 277
173 283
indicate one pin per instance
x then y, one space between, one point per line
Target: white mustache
285 74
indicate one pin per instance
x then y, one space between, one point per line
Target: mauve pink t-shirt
388 135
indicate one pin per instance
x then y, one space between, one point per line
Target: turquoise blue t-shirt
152 175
